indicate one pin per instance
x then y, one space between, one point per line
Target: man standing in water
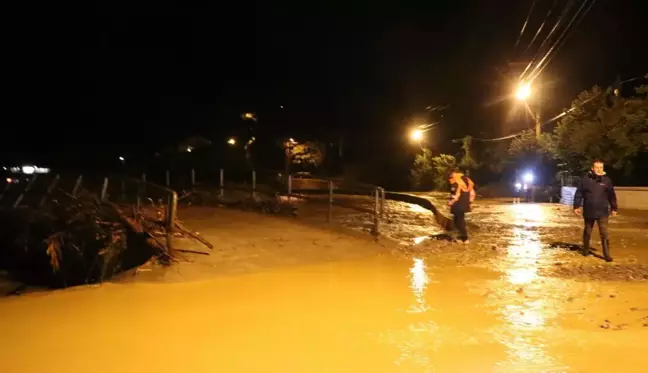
596 193
462 194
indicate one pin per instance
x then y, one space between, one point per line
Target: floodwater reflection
415 342
418 282
524 306
522 257
416 208
418 240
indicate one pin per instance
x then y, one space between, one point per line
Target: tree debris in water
75 240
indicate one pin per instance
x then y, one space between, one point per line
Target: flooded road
516 299
376 315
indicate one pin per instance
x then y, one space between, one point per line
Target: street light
523 92
417 135
289 145
231 141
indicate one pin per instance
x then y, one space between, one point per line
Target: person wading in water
462 194
598 199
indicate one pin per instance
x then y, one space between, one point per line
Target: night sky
107 78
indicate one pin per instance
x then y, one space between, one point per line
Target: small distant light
189 149
28 170
526 187
291 140
4 168
281 106
231 141
9 180
518 185
121 159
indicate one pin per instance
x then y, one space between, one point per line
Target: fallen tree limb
192 251
193 235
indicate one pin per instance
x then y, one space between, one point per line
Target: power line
553 29
524 25
562 42
541 26
607 91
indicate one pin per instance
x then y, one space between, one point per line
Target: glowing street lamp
248 116
523 92
231 141
417 135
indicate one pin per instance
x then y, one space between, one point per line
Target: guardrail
258 183
304 188
165 190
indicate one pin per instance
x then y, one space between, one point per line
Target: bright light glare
231 141
121 159
28 170
417 135
518 185
528 177
9 180
418 282
418 240
523 92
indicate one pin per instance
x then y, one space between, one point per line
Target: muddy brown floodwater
515 300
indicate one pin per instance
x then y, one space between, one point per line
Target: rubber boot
606 250
585 250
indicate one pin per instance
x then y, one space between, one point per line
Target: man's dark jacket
596 193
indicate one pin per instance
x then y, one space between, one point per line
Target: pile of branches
73 241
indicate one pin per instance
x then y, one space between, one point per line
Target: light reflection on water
525 307
414 344
418 240
416 208
418 283
522 257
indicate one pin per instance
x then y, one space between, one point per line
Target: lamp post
522 94
289 145
248 155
